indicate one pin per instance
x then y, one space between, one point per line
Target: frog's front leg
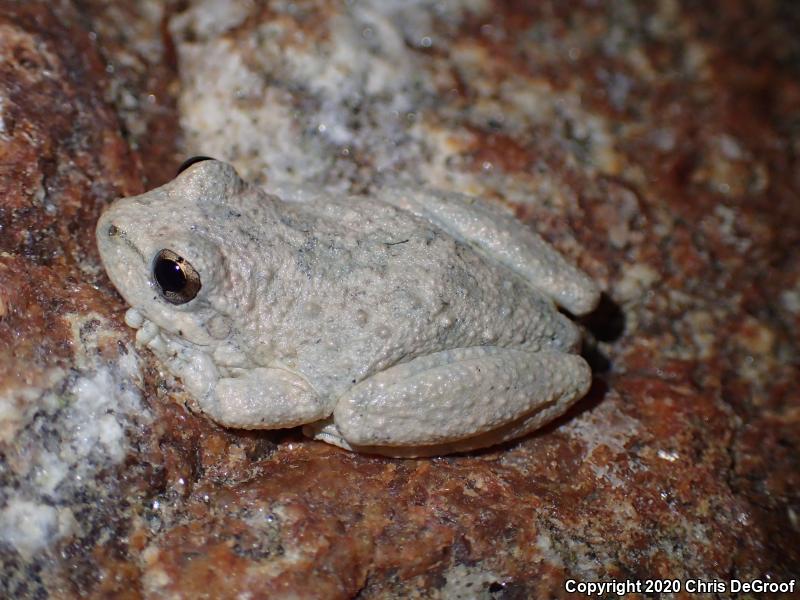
263 398
452 396
256 398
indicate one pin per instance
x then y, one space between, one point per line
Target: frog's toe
326 431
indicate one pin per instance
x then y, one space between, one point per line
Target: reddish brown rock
63 155
652 145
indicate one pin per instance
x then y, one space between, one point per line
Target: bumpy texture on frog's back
296 305
357 286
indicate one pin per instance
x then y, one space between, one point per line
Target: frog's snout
108 228
109 234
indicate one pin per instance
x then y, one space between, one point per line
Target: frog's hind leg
506 240
458 399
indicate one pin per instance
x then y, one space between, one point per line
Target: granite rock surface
656 146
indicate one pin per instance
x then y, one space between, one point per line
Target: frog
407 321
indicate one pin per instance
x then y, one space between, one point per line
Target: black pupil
169 275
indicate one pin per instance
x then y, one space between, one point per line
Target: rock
649 144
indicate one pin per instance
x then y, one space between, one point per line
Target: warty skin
411 323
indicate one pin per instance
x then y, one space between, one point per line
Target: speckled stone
657 147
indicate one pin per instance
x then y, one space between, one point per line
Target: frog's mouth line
124 262
149 330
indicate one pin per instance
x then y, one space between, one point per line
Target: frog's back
378 286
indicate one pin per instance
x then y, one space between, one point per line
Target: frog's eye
190 161
176 279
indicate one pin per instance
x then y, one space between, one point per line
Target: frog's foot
506 240
326 431
459 400
264 398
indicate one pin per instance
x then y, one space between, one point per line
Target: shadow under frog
412 322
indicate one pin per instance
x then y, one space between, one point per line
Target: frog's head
166 253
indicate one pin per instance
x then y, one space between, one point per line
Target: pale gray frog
409 323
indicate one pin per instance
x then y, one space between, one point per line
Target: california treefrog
409 323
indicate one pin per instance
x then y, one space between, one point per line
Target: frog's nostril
113 231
